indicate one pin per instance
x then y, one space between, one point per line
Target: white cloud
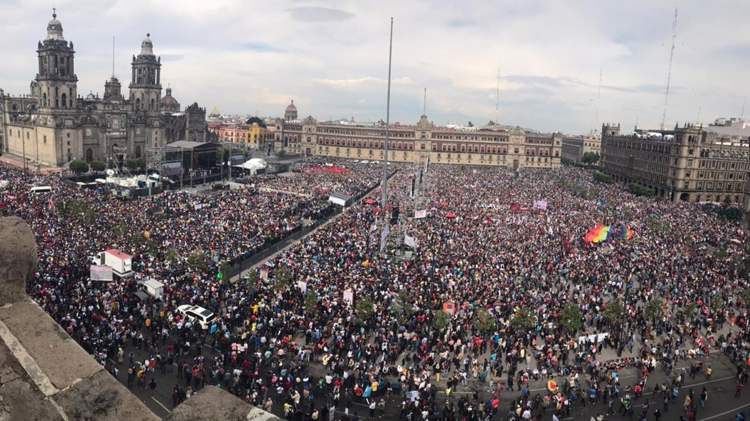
331 56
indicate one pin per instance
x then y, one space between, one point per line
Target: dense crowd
320 179
496 292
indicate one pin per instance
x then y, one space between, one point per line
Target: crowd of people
494 293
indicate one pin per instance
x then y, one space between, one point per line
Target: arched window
137 104
151 106
89 155
44 100
138 151
64 100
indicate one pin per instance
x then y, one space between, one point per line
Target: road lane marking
161 404
712 417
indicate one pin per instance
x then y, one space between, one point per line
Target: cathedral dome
54 28
169 103
291 112
147 46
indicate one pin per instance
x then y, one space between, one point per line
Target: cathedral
54 125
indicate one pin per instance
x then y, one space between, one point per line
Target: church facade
54 125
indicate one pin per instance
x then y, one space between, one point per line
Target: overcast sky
247 57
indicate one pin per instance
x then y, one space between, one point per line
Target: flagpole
384 200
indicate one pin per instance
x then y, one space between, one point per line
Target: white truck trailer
121 263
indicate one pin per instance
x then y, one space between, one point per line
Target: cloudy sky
248 56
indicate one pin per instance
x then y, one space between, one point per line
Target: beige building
423 142
688 163
575 147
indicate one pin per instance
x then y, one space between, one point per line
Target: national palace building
690 163
54 125
418 143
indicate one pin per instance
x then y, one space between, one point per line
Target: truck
154 288
121 263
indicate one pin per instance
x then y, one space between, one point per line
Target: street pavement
720 405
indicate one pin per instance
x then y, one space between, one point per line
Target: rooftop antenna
424 103
113 56
497 98
598 97
742 114
669 69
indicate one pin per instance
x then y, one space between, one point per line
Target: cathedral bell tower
145 84
56 79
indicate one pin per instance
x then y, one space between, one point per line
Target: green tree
746 297
441 320
198 261
283 278
614 313
654 309
251 278
135 164
403 307
571 318
79 167
224 269
97 166
590 158
364 309
523 319
602 177
171 255
484 321
311 303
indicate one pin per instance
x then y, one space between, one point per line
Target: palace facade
419 143
689 163
54 125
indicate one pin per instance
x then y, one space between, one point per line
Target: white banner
101 273
540 205
302 285
349 296
384 236
337 200
420 214
596 338
410 241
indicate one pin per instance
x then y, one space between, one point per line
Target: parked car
197 314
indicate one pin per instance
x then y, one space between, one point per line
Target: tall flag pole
384 201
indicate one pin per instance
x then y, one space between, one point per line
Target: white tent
253 165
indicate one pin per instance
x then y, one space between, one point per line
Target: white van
41 189
197 314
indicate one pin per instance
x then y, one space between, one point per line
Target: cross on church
54 12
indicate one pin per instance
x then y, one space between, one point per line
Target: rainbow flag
630 234
597 234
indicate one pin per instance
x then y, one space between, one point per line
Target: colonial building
688 163
422 142
250 133
573 148
55 125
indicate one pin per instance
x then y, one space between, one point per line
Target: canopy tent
253 165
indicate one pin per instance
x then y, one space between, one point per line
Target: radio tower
669 69
497 98
598 100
